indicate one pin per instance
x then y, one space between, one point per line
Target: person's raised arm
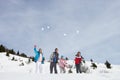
35 49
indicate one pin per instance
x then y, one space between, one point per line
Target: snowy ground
11 70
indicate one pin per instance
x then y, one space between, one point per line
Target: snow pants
62 70
38 67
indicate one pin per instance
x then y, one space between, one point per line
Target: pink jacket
62 63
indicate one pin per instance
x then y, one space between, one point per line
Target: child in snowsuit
62 64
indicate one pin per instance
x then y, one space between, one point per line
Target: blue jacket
54 57
37 55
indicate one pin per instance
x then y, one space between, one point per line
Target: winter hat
62 56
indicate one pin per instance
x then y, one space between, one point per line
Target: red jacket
78 60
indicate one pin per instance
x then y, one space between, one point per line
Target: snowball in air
42 29
77 31
65 34
48 27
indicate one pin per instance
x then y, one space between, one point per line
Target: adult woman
38 59
78 60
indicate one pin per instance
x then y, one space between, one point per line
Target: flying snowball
48 27
65 34
77 31
42 29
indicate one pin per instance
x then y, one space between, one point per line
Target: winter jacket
37 55
78 60
43 59
62 63
54 57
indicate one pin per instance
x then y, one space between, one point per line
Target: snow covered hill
20 69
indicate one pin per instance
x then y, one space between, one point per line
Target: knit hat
62 56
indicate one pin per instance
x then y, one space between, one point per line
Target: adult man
54 60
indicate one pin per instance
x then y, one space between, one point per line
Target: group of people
54 60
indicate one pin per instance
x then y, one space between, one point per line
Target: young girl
62 64
38 60
78 60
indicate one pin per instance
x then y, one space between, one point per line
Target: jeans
53 65
78 68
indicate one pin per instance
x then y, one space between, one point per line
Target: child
78 60
62 64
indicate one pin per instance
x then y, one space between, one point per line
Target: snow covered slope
19 69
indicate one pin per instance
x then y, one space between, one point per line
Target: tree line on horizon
11 51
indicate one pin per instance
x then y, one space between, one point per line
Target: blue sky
89 26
